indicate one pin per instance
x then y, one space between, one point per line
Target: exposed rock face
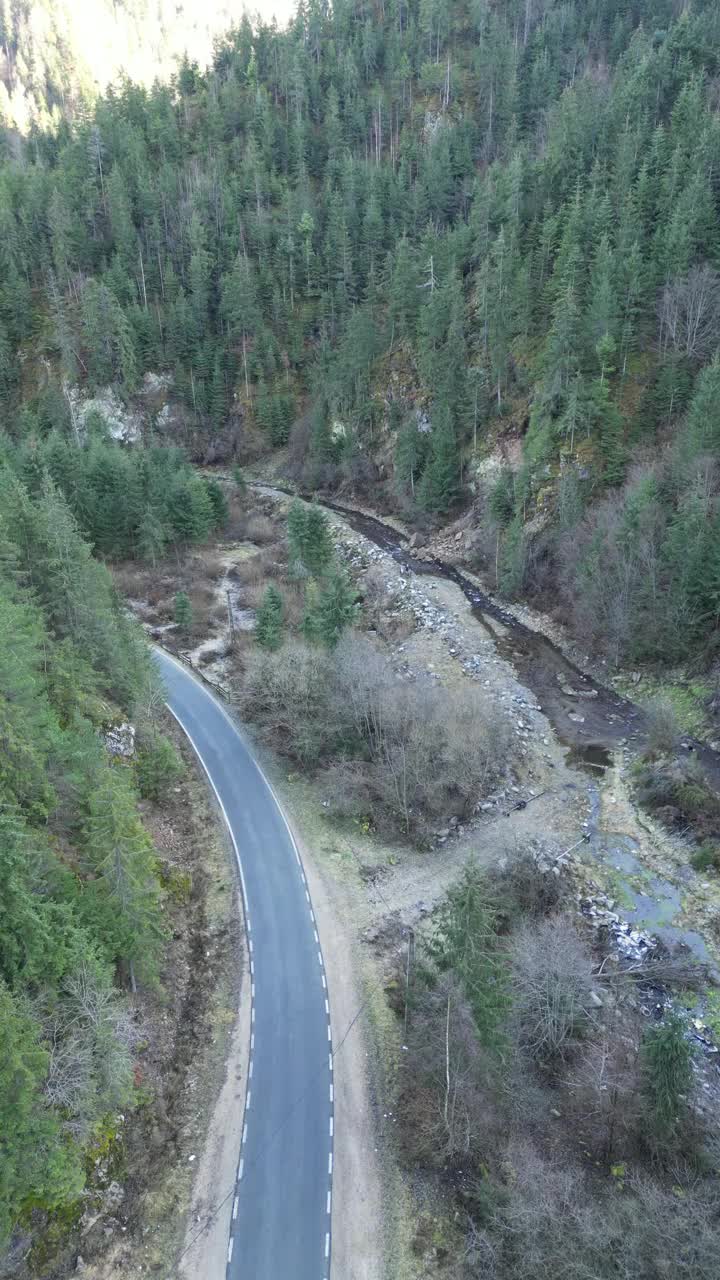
124 424
120 740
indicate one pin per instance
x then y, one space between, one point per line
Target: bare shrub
209 566
235 529
288 693
90 1035
261 530
552 982
663 730
434 751
253 594
256 568
604 1094
523 887
425 752
446 1107
202 600
347 786
555 1223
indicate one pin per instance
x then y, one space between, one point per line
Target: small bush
663 730
552 982
706 858
681 796
157 767
260 529
524 889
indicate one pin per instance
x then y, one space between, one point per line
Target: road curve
280 1225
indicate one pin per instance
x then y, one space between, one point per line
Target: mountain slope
418 231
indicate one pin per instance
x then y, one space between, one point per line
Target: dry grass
210 565
256 569
261 530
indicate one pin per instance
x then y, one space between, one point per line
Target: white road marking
329 1202
247 1100
332 1094
252 991
331 1126
252 968
248 923
327 1007
315 934
307 895
237 1201
250 1069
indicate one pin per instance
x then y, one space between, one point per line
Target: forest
80 896
394 237
444 258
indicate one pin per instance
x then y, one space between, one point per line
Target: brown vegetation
402 754
536 1128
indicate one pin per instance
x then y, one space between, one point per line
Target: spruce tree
335 610
269 622
667 1077
183 613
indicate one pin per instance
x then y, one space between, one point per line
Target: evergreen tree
667 1077
269 622
183 613
465 942
331 611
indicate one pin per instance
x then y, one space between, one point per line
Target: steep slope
56 53
418 231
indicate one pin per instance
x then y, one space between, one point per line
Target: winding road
280 1225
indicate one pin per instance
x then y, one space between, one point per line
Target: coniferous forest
391 236
437 255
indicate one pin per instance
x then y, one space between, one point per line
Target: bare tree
90 1035
689 314
552 984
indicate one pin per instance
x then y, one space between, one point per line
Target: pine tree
667 1077
269 622
440 481
317 552
465 942
183 613
126 892
333 612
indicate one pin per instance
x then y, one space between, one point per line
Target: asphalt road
280 1227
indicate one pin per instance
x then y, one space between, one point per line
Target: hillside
457 264
416 232
56 55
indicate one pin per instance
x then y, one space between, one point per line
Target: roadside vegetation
81 901
561 1126
398 754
